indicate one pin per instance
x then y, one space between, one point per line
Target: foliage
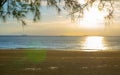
19 8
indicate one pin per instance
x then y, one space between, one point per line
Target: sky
54 24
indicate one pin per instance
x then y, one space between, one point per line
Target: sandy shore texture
52 62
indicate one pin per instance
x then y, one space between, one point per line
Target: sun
92 18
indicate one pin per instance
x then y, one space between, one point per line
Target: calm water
68 43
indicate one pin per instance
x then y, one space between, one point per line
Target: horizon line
60 35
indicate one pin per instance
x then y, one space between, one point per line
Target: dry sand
52 62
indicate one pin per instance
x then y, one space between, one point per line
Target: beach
59 37
58 62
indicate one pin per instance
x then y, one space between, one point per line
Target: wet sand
55 62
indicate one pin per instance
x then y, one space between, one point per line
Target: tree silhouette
19 8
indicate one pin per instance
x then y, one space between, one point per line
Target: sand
55 62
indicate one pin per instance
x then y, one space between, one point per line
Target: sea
60 42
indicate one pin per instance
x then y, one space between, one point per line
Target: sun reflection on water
94 43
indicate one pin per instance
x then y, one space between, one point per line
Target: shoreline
50 49
71 50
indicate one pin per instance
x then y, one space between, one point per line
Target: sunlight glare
92 18
82 1
94 43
